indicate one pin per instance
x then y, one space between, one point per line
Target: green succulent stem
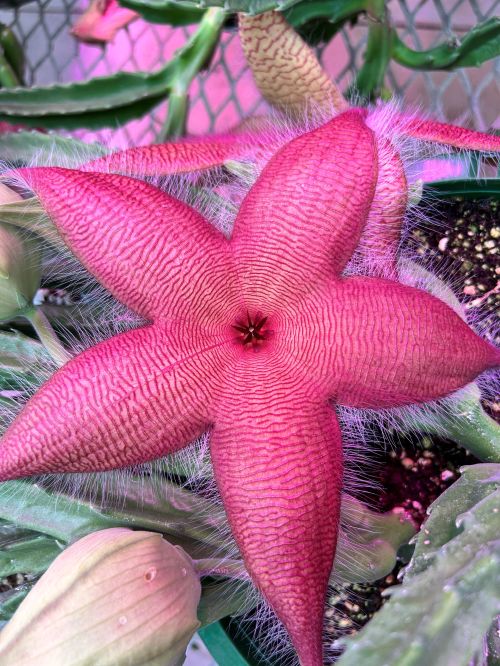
300 14
47 335
478 45
175 123
189 60
370 78
8 77
13 52
472 428
186 65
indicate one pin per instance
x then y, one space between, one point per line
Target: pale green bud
20 270
115 598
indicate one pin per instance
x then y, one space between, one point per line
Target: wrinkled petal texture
277 458
303 218
154 253
376 343
184 156
380 240
286 70
450 135
136 397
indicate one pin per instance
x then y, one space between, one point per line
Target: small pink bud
116 597
101 21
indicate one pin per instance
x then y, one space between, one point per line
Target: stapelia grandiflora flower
253 337
114 598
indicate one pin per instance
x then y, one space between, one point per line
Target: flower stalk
47 335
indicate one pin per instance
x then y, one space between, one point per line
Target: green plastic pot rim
221 647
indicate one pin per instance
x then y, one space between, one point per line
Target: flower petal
154 253
278 463
303 218
380 344
382 235
183 156
101 21
450 135
130 399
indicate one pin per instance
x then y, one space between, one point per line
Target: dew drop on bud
184 571
122 620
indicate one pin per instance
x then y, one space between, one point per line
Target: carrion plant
253 334
251 337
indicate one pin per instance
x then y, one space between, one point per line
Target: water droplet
150 574
184 571
122 620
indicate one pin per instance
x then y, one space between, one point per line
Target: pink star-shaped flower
252 337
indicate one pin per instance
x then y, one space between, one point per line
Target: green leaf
19 353
10 600
222 598
463 187
246 6
30 506
23 361
20 148
165 11
370 78
31 555
28 214
101 102
332 12
455 510
479 45
374 538
451 591
13 51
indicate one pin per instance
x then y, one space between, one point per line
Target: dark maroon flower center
252 329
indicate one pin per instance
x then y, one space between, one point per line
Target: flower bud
20 270
115 598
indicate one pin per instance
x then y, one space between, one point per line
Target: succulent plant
451 589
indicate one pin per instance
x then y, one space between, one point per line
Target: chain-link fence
226 93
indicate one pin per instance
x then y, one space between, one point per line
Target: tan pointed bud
286 70
115 598
20 268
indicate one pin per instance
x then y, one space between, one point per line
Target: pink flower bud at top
115 598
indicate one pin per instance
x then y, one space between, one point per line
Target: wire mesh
226 94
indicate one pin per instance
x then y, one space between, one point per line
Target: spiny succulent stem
47 335
471 427
476 431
